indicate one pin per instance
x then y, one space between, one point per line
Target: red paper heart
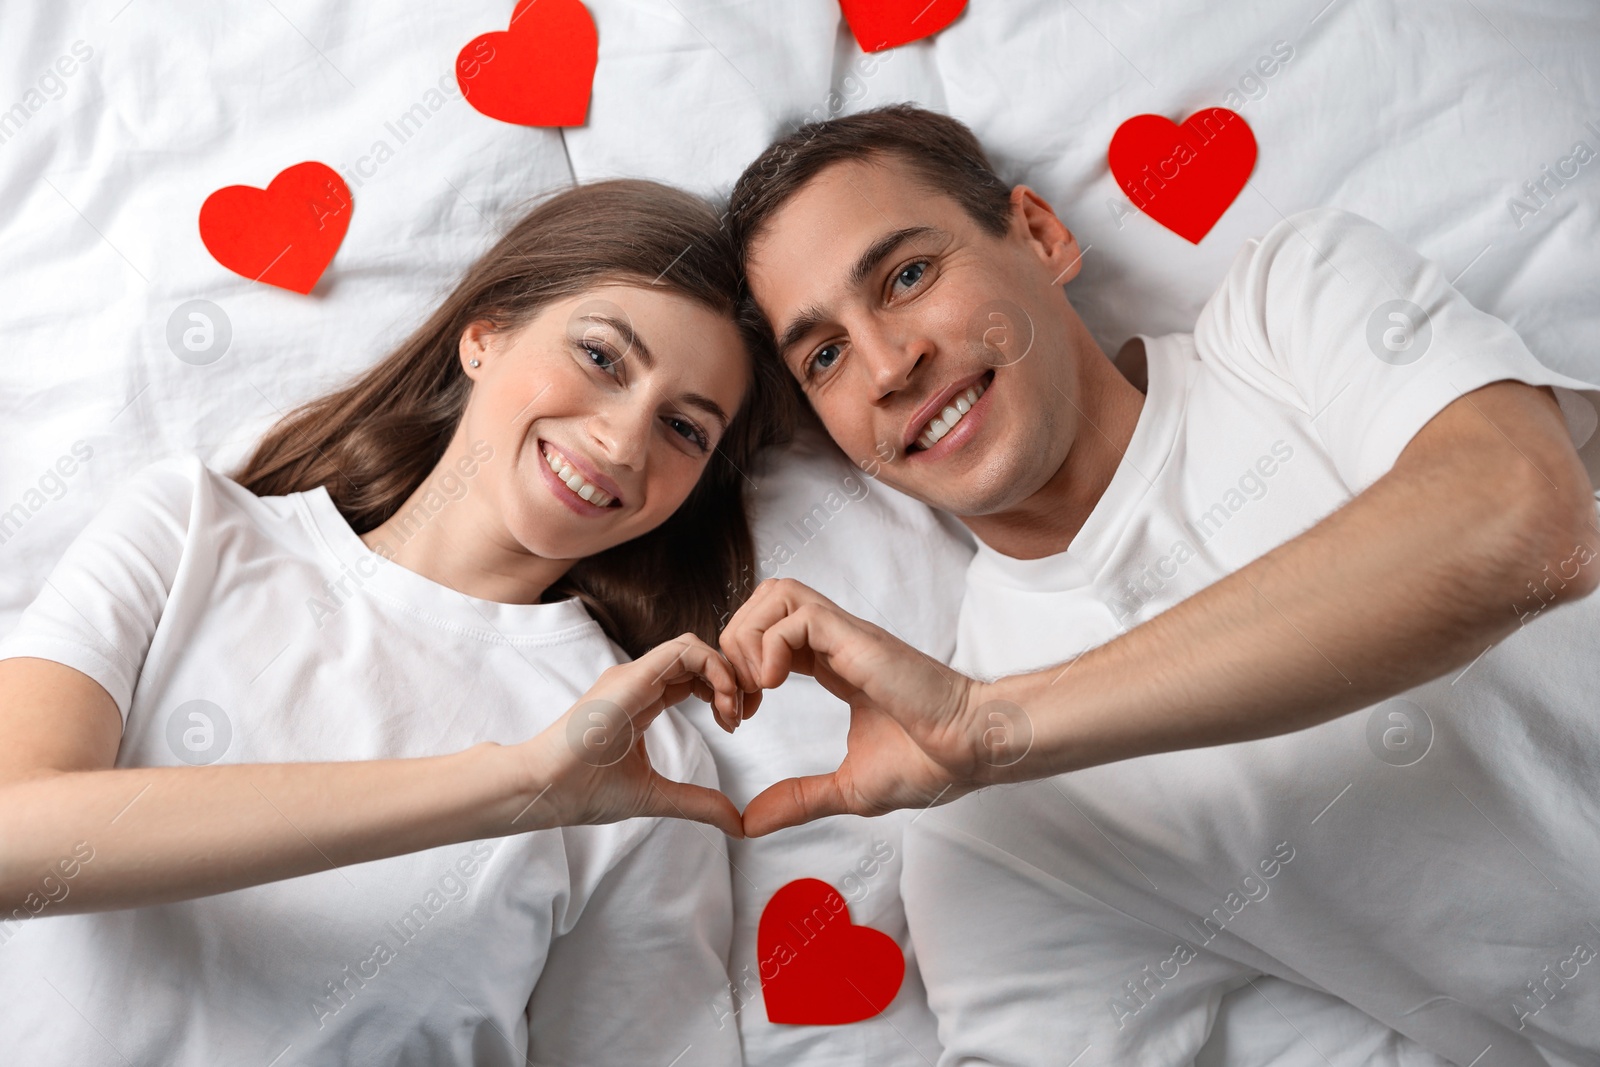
538 72
283 235
1185 176
817 968
880 24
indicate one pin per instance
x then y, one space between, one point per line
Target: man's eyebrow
632 343
808 319
804 323
881 249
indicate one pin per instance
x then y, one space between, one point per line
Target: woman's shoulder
185 494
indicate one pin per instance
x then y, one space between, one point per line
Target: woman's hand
590 766
919 732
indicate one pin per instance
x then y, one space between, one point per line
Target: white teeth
573 480
946 420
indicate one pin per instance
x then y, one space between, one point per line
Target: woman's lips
565 493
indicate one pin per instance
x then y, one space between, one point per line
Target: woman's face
601 413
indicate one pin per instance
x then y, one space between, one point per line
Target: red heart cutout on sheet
824 970
283 235
537 73
880 24
1185 176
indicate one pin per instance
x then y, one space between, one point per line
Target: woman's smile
575 483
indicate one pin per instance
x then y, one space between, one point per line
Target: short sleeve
639 977
1334 316
99 608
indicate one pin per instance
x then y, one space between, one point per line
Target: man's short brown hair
942 152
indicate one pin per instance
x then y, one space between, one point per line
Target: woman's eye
601 357
910 275
689 431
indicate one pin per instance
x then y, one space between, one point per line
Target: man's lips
937 403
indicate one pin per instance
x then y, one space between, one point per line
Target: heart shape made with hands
537 72
881 24
284 235
1184 177
824 969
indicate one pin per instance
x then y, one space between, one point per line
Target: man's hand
915 738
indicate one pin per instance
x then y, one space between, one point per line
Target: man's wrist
1026 729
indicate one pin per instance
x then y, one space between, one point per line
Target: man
1347 484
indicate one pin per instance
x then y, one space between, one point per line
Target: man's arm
1486 516
1419 575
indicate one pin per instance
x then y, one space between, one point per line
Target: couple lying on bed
435 626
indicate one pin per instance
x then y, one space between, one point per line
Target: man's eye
826 357
911 275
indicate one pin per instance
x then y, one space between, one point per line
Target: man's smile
949 419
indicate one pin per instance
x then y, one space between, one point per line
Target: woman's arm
161 834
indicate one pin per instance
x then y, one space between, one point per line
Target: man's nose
894 354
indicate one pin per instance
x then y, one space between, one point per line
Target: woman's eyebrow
631 341
706 404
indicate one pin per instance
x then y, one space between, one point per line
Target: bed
1471 128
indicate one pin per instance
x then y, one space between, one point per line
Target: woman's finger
685 800
687 664
714 672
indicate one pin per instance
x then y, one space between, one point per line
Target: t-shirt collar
369 573
1168 360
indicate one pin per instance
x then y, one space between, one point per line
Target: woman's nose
622 433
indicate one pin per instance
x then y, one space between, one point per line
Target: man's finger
774 600
752 701
685 800
740 639
792 802
815 633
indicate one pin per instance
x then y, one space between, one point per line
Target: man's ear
1047 236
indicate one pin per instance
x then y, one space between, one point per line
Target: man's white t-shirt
235 629
1433 860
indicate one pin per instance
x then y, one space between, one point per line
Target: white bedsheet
1427 117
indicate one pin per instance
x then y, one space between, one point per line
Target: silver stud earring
472 363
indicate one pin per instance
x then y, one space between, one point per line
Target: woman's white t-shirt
1432 860
231 628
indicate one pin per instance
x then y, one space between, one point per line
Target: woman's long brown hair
373 442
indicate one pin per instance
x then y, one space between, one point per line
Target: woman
385 844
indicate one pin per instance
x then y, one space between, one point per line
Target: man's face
895 310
